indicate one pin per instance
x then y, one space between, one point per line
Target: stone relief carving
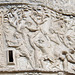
44 38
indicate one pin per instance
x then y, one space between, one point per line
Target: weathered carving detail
42 38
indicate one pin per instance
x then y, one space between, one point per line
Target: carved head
17 35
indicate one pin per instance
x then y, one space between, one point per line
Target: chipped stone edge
33 71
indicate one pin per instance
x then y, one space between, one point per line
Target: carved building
37 37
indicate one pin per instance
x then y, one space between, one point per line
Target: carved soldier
22 48
67 57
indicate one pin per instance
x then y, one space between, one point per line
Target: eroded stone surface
41 35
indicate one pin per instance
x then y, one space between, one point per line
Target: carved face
59 27
70 39
29 24
41 41
17 35
37 18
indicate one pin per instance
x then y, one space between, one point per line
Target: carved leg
65 65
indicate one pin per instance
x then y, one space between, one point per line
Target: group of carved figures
39 39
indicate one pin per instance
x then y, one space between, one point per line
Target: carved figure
22 48
36 32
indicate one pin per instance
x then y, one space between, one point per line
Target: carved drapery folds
41 37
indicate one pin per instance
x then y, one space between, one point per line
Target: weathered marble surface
41 34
